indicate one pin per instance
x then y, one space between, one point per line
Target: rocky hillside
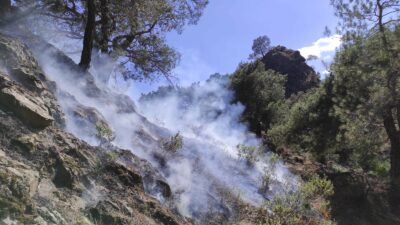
48 176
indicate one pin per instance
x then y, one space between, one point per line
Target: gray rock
28 108
19 65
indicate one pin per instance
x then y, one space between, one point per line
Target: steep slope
48 176
205 173
208 181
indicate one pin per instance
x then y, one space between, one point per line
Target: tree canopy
371 53
132 32
261 91
260 47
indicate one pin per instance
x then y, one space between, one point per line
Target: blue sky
223 36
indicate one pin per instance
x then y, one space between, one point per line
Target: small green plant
317 187
274 158
269 172
174 143
267 178
380 168
104 133
113 155
248 153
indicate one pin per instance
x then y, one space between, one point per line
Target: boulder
28 108
18 64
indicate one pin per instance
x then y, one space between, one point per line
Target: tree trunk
88 37
5 7
105 26
394 138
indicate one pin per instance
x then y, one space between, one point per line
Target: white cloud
321 46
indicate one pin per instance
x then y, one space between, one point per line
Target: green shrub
174 143
308 125
113 155
317 187
269 173
248 153
380 168
305 206
104 133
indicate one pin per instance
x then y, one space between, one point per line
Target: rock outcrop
300 76
30 91
48 176
25 105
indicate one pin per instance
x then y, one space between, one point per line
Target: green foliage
269 173
14 199
131 31
113 155
307 124
174 144
317 186
379 167
306 206
261 91
319 122
365 99
367 81
260 47
104 133
248 153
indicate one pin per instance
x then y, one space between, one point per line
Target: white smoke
210 123
206 118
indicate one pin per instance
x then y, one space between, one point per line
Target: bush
248 153
380 168
317 187
173 144
113 155
104 133
305 206
269 173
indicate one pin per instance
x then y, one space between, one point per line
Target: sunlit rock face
25 89
23 104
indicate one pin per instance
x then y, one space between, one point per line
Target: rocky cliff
48 176
300 76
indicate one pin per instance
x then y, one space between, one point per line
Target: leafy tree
261 46
130 31
371 53
307 123
261 91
